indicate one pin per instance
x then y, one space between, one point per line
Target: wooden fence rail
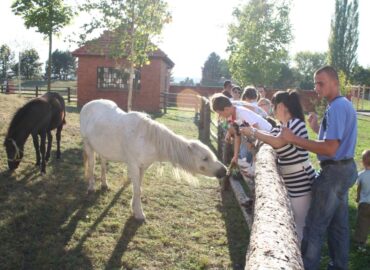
68 93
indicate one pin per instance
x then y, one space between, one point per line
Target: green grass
48 222
361 104
43 84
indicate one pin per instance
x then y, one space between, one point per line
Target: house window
112 78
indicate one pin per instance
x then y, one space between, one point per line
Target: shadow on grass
34 211
72 109
129 231
236 229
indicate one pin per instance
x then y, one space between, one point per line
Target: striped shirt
298 182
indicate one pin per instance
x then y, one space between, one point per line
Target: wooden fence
68 93
273 241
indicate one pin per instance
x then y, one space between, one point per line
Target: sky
198 28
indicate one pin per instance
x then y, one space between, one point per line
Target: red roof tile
106 42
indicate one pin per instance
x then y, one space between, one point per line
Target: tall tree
134 23
258 41
211 72
360 75
224 69
306 63
47 16
343 40
6 58
214 71
30 64
64 64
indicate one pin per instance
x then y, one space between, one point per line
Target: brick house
101 76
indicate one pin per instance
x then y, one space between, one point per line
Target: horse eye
205 159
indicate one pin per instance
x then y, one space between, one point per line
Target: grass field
48 222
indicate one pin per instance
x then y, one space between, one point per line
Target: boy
363 198
237 114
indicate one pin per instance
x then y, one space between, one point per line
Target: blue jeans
328 213
244 153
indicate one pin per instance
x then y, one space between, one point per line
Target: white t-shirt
252 118
364 180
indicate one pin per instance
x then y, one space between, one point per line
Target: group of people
319 200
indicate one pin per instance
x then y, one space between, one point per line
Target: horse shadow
129 231
40 214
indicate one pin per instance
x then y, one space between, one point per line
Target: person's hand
234 160
287 135
247 131
228 137
313 121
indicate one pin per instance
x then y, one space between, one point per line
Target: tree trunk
49 61
130 88
273 242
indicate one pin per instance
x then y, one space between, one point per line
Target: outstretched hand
287 135
313 122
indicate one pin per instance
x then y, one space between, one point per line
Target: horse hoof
140 218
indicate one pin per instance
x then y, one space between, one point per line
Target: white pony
139 141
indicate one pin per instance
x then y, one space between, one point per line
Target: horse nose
221 172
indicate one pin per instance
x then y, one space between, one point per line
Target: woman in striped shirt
293 161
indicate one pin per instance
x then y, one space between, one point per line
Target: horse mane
18 117
170 146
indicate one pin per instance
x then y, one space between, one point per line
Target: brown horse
37 117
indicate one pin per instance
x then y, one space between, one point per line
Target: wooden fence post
165 102
37 91
69 94
201 121
207 122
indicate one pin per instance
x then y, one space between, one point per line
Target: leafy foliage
48 17
134 23
343 41
6 59
307 62
360 75
30 65
214 71
187 82
258 41
64 64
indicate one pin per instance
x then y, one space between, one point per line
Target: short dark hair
227 83
250 93
290 99
236 88
328 70
366 157
219 102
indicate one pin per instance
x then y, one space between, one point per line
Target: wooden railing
68 93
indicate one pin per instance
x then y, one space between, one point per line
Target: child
363 198
237 114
